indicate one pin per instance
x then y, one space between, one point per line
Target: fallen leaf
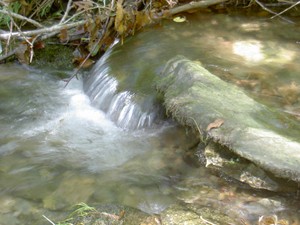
142 18
290 92
83 5
217 123
39 45
63 35
119 26
84 63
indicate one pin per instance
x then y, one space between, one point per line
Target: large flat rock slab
226 114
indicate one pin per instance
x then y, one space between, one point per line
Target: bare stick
106 26
8 39
286 10
18 16
82 12
48 220
206 221
7 55
69 7
43 30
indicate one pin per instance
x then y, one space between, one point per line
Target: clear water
58 149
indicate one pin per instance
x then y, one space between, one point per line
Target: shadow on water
57 148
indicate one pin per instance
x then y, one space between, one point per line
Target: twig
7 55
285 10
81 12
18 16
30 43
206 221
8 39
69 7
43 30
48 220
106 26
39 6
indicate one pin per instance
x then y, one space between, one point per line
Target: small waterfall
128 110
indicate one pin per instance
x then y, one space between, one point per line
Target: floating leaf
179 19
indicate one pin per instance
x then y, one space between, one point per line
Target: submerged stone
219 158
224 113
71 191
191 214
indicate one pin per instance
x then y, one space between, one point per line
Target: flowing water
61 146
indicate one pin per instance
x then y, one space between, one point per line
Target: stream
104 138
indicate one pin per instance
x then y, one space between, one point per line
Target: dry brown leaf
290 92
83 5
63 35
271 220
88 63
251 84
217 123
39 45
142 19
111 216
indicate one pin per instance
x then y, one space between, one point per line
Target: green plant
12 7
81 210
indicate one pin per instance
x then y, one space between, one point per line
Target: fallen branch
272 12
69 7
292 6
54 28
194 5
18 16
109 22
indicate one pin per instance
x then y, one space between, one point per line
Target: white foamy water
119 106
82 136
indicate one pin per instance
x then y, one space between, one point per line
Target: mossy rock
56 57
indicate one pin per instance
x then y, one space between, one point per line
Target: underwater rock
223 113
70 191
191 214
220 158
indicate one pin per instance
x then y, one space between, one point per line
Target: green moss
55 57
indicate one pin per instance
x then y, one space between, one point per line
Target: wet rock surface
222 161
